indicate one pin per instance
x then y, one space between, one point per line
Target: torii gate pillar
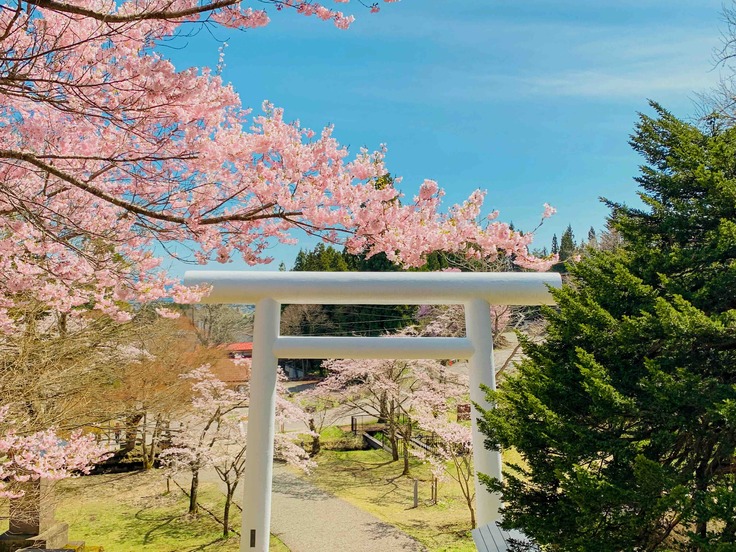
268 290
482 371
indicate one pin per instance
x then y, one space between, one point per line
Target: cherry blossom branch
63 7
137 209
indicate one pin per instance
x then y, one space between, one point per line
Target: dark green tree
555 248
567 244
625 417
323 258
592 238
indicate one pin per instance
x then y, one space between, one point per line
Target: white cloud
600 84
603 63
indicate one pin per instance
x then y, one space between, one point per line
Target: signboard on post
463 412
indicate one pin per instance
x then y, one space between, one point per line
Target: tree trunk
383 409
144 445
394 449
394 441
226 513
406 455
316 445
149 454
147 465
466 486
131 431
406 438
702 480
193 508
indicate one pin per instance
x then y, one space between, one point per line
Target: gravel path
308 519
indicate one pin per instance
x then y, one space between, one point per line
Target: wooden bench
492 538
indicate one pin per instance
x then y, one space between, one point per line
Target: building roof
242 347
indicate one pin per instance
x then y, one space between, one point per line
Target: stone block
55 536
32 513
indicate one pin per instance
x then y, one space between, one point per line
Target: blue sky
532 101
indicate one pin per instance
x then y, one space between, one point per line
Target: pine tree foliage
368 320
625 418
567 244
592 238
323 258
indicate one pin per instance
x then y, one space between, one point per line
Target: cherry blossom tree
377 388
417 400
227 458
51 371
214 436
208 425
43 454
109 150
147 392
450 450
449 320
390 391
321 410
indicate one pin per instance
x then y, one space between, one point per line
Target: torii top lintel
388 288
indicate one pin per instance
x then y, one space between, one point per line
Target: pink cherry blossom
214 435
216 426
110 152
44 454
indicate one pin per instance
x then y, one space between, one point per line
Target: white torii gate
268 290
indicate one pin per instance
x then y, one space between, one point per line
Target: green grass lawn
369 480
133 512
372 482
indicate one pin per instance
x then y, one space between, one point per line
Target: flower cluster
44 454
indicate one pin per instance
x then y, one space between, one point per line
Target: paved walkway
308 519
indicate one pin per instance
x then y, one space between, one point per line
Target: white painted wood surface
376 288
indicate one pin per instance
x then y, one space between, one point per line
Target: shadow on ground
293 487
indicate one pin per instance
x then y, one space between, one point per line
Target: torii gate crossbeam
269 290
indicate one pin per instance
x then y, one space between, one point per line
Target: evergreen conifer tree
592 238
353 319
625 417
567 244
323 258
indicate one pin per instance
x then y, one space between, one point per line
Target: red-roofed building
240 350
